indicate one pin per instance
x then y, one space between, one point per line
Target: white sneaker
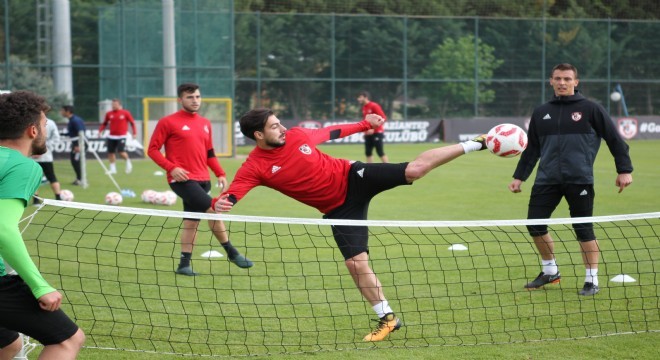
112 169
129 168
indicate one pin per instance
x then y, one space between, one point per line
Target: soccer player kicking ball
289 162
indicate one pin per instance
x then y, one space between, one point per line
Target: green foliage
25 76
455 59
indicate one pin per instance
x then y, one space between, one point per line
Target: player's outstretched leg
431 159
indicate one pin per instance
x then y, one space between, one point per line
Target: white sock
592 276
469 146
128 161
382 308
113 167
549 267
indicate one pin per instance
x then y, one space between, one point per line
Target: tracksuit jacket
565 134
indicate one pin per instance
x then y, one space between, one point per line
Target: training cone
211 254
623 278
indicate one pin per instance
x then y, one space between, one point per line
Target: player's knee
585 235
537 230
416 170
75 342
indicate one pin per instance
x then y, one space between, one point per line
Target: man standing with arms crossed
565 135
29 304
119 119
373 138
288 161
189 154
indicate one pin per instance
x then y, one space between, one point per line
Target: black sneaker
76 182
242 262
481 139
543 280
186 270
589 289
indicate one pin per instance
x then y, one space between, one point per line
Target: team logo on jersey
576 116
305 149
275 169
206 129
627 127
185 127
121 117
361 172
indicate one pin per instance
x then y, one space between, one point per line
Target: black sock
185 259
57 197
231 251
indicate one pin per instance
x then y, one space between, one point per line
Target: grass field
470 188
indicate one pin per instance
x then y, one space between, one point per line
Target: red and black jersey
373 108
188 144
119 121
298 169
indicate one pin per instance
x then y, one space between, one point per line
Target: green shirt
20 177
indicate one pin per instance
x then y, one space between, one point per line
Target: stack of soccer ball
159 197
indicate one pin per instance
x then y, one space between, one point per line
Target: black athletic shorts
116 145
545 198
195 195
374 141
49 171
364 182
20 312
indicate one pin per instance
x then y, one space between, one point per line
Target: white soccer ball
113 198
171 197
66 195
161 198
149 196
506 140
615 96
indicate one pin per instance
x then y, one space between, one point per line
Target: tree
453 60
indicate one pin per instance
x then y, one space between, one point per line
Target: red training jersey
188 144
119 120
298 169
373 108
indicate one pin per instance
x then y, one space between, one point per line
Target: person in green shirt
29 304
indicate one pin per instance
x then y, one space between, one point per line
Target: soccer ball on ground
506 140
66 195
149 196
113 198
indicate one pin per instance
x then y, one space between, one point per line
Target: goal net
217 110
451 283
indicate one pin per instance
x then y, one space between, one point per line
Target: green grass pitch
470 188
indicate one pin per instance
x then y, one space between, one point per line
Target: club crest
627 127
576 116
305 149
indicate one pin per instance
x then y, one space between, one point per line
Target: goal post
217 110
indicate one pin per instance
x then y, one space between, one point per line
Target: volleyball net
451 283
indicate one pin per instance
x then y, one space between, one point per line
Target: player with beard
189 154
29 304
338 188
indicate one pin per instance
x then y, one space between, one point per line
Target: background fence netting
116 268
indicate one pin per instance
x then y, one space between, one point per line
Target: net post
83 159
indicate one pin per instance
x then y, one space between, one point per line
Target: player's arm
333 132
245 180
13 250
106 119
155 144
131 121
603 125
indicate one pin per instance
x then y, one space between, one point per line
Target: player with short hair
46 160
288 161
119 119
29 304
189 153
565 135
373 138
74 127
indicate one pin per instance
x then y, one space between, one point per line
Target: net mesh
115 267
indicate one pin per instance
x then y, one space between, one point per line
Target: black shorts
49 171
195 195
20 312
544 201
116 145
364 182
374 141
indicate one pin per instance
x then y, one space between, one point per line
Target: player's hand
222 204
375 120
222 183
515 186
179 174
50 301
623 180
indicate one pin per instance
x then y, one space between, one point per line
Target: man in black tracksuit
565 134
